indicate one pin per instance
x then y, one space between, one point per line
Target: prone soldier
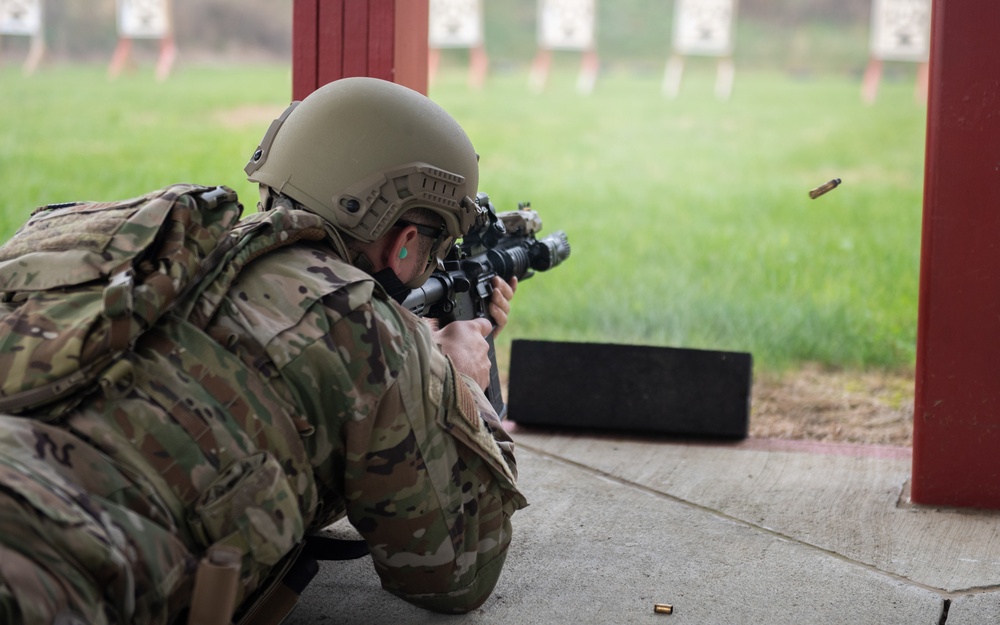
286 391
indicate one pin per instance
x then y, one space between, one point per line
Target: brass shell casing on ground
663 608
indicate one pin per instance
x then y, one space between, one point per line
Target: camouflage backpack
80 282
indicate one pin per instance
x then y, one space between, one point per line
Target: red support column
330 45
956 441
355 39
305 47
410 53
381 14
334 39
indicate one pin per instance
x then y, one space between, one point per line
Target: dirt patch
814 403
820 404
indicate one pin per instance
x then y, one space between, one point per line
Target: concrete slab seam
946 596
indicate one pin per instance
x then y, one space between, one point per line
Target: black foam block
661 390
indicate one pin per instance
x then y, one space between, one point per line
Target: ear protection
402 253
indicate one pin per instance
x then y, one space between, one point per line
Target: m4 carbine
503 245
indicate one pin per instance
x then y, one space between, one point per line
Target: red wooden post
410 51
334 39
956 441
305 46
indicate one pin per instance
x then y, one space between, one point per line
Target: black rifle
497 245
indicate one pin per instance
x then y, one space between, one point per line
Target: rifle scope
516 257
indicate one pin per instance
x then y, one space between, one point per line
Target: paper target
20 17
704 27
901 30
456 24
566 24
143 19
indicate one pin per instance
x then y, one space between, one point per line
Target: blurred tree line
797 35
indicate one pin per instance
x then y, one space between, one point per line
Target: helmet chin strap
393 286
266 199
387 278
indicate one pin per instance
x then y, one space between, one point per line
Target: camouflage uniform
306 395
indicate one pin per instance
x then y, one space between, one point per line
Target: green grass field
689 218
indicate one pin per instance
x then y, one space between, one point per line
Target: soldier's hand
503 293
465 343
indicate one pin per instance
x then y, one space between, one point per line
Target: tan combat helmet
361 151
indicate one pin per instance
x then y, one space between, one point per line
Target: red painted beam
956 441
330 45
355 39
381 38
334 39
305 51
410 53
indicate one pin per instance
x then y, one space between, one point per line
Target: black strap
273 601
393 286
328 548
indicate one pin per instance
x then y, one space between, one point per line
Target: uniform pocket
464 420
251 506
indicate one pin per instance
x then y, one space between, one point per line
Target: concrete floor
753 532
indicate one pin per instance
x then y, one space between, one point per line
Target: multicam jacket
305 396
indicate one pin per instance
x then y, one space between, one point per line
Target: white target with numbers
566 24
704 27
143 18
20 17
456 24
901 30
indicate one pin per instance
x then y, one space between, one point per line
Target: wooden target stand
703 29
136 23
36 53
458 25
123 52
28 22
479 64
590 65
569 27
873 78
725 73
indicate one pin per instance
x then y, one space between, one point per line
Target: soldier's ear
397 252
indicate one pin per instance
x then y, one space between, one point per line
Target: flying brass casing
824 188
